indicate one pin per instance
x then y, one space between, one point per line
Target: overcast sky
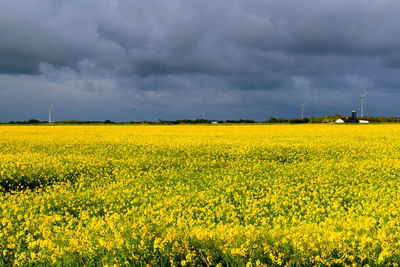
175 59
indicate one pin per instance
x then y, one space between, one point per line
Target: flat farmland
255 195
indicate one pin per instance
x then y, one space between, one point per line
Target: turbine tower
204 112
302 110
134 114
50 110
363 95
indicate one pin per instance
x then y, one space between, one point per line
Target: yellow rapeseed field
255 195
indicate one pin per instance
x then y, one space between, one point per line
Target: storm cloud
178 59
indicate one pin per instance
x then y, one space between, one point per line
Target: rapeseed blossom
256 195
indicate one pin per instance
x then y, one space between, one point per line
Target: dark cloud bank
179 59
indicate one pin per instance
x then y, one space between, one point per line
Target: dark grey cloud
176 58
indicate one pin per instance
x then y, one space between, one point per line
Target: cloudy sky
175 59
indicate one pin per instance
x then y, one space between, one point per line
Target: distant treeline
203 121
324 119
33 121
159 122
331 118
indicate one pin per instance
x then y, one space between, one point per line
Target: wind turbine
134 113
363 95
302 110
51 110
204 112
